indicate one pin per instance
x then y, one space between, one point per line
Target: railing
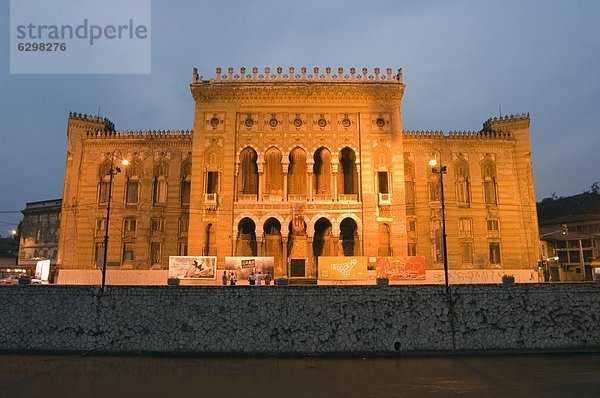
296 198
247 197
272 197
323 197
348 197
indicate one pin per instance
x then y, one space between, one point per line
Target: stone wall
302 320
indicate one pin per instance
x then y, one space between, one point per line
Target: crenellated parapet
328 75
457 135
84 120
507 123
132 134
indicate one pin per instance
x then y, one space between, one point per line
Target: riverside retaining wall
301 320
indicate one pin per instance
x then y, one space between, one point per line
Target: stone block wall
300 320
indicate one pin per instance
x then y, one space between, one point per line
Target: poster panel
243 266
192 267
343 268
42 270
405 268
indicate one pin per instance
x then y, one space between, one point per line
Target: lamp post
441 171
111 173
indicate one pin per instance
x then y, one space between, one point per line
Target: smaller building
9 248
39 233
570 247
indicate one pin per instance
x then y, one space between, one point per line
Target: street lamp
441 171
111 172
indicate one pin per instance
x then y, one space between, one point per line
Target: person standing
224 278
268 279
232 279
259 278
251 279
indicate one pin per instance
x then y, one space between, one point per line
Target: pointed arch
248 175
488 175
297 172
348 178
273 172
462 181
322 172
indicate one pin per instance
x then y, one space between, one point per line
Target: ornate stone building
296 165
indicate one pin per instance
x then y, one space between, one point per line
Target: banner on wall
244 266
406 268
343 268
192 267
42 270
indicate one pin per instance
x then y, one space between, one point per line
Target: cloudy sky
461 60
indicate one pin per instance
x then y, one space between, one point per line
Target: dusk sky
461 60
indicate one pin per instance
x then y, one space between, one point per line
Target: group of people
253 280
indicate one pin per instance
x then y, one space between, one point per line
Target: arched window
322 172
210 248
462 182
186 183
349 177
323 240
159 189
488 174
349 237
248 175
273 172
297 172
273 242
409 186
384 240
246 240
104 182
133 174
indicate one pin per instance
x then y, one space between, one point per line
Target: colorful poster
343 268
244 266
409 268
192 267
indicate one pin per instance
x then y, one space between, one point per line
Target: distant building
39 233
298 165
9 248
570 247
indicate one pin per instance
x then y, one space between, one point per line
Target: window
103 188
488 173
128 251
99 254
186 187
158 224
182 249
466 249
100 226
130 225
155 252
159 193
411 225
574 256
383 182
132 191
435 191
492 225
461 181
212 182
494 253
183 225
412 249
464 228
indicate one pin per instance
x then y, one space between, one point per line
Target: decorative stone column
261 180
284 259
234 242
359 178
259 244
285 168
311 267
310 186
334 171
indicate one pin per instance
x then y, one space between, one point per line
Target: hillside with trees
587 202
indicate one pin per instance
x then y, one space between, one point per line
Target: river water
494 376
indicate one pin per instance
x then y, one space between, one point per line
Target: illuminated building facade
297 165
